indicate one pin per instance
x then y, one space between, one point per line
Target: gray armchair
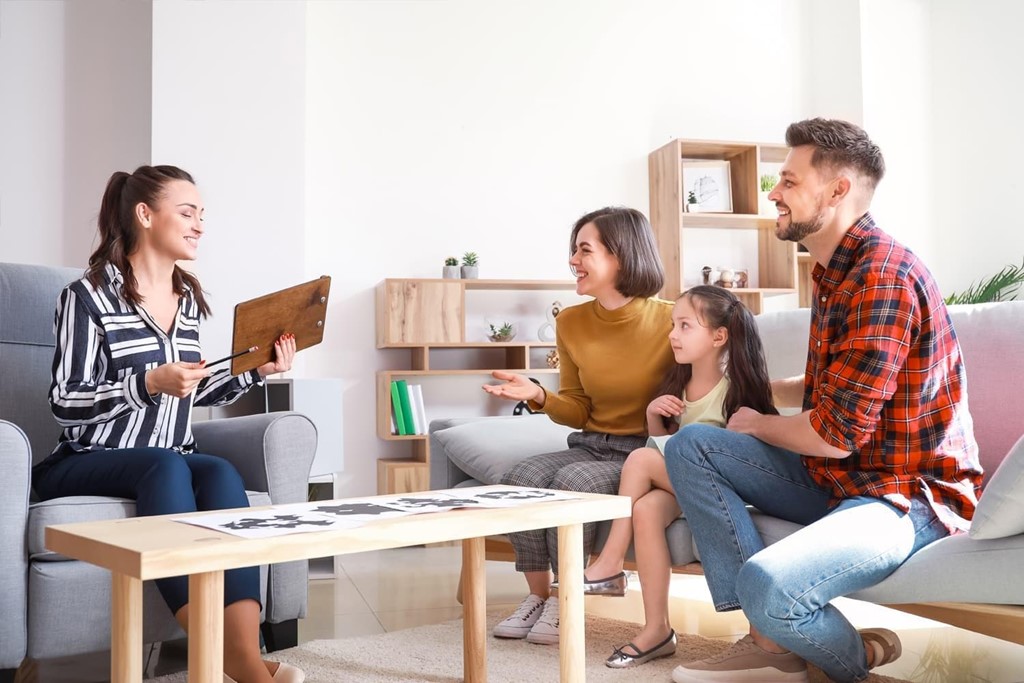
53 606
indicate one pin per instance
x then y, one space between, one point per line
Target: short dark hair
628 236
838 144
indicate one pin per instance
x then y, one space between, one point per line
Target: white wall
977 107
897 74
108 97
440 127
228 106
31 131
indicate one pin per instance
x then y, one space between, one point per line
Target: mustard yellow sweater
610 365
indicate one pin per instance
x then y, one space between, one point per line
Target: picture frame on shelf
711 182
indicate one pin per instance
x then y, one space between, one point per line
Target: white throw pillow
1000 511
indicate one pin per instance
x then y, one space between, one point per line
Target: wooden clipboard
300 310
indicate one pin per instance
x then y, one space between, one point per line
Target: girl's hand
515 388
176 379
665 406
284 354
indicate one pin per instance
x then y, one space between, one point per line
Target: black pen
234 355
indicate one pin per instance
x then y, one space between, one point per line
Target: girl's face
173 227
596 268
691 341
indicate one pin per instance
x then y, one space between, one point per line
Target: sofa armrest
15 484
274 453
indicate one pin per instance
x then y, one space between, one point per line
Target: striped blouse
105 345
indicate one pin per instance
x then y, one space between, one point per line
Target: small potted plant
470 271
451 268
692 205
502 333
765 206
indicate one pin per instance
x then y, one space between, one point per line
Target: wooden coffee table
143 548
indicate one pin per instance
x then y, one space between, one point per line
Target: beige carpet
433 654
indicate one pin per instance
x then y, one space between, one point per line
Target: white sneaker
522 620
545 631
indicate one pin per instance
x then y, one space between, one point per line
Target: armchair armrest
272 451
15 484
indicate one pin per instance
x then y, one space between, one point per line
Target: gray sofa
966 581
51 606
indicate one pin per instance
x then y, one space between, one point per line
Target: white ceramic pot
470 272
451 272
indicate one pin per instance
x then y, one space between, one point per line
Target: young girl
720 368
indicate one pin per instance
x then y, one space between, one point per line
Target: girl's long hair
745 365
119 235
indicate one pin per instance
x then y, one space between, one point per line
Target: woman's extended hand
515 388
284 354
666 405
175 379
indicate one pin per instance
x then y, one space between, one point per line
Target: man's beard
796 231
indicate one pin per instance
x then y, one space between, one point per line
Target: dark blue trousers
162 482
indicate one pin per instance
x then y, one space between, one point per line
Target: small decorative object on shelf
692 206
705 273
726 278
503 333
741 278
451 269
470 270
546 332
552 359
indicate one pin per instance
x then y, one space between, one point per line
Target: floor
389 590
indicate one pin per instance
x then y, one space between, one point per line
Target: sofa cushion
1000 511
487 448
71 509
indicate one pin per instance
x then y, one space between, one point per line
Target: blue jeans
785 589
161 481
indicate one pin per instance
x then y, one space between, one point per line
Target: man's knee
764 588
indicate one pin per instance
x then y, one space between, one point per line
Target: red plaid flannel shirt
885 379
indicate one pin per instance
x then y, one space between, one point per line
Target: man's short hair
838 145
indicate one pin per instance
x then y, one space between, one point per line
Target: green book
403 396
396 405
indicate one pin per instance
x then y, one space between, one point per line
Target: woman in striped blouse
127 370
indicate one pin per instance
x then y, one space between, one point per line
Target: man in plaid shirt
880 462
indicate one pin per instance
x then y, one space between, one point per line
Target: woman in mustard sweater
613 354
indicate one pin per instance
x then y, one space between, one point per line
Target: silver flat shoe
624 660
614 586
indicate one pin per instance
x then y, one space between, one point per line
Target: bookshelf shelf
776 260
427 315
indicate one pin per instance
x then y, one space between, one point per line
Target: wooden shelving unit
425 315
777 260
805 286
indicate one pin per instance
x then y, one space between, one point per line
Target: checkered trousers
591 464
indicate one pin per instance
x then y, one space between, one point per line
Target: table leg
571 641
206 627
474 611
126 630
